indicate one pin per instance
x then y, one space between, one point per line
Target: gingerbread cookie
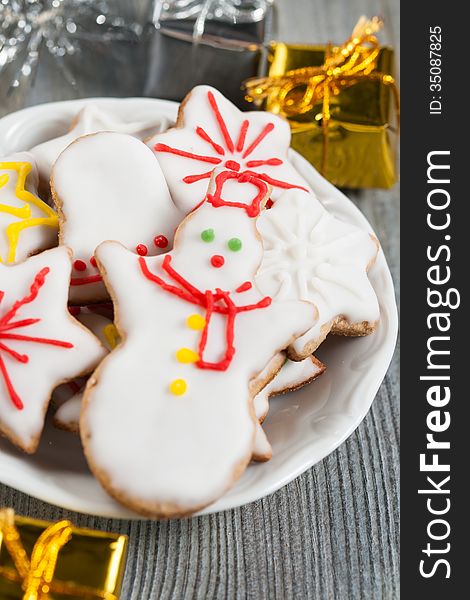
92 119
27 224
108 186
213 133
41 344
292 376
311 255
196 334
68 398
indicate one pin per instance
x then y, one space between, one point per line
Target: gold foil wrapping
362 130
83 565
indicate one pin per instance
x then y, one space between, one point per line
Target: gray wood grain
332 534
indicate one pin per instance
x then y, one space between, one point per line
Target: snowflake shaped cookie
212 133
311 255
41 344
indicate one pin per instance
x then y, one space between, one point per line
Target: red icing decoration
242 136
85 280
272 162
79 265
267 129
194 178
244 287
232 164
276 182
217 261
6 324
141 249
93 262
160 241
219 302
164 148
206 137
269 203
221 122
253 209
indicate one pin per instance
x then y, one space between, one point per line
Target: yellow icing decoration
178 387
196 322
111 335
23 213
185 355
4 179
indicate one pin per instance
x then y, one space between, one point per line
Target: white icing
311 255
292 375
14 195
48 365
68 415
109 186
65 396
182 451
92 119
197 112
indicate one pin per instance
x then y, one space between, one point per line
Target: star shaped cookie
41 344
213 133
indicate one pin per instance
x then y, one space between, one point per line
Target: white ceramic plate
303 427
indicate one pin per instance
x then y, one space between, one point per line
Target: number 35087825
435 59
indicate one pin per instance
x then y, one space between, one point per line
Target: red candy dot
141 249
160 241
217 261
269 203
93 262
79 265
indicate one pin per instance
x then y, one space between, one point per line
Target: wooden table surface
331 534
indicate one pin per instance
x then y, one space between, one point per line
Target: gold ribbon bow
299 90
37 574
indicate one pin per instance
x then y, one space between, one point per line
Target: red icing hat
252 209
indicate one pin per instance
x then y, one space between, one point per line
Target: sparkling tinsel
60 27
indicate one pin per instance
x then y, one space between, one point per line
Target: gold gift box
89 567
362 135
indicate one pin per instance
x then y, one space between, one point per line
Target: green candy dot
235 244
208 235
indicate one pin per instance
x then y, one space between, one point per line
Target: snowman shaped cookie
199 342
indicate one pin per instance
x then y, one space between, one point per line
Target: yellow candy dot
196 322
178 387
185 355
111 335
